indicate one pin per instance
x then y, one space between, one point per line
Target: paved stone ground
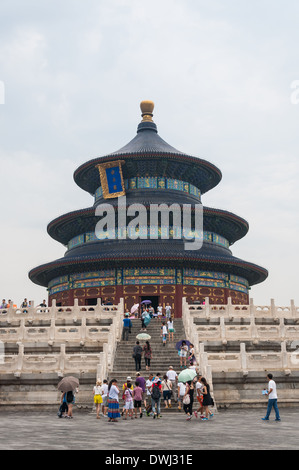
227 430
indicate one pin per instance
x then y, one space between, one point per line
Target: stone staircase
163 356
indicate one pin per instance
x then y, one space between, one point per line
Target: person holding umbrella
187 377
134 310
182 348
69 385
143 316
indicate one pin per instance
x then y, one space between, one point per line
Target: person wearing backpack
156 397
167 391
70 400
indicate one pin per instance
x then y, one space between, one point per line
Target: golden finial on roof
147 108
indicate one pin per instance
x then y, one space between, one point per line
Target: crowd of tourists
145 397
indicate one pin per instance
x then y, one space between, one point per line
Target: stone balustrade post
20 360
223 330
229 308
83 330
251 307
293 309
100 368
10 312
53 308
207 307
282 329
22 330
272 308
52 329
253 328
62 358
284 357
243 355
76 309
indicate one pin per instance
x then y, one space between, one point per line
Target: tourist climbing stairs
162 356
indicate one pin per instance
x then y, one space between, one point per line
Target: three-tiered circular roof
147 154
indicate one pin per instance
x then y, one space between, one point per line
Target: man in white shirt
272 399
173 377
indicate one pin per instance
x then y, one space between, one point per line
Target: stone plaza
227 430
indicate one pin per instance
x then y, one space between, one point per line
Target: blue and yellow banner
112 179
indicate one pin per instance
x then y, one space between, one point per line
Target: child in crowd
128 394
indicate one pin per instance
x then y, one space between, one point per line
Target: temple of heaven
112 263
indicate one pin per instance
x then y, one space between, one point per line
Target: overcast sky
220 74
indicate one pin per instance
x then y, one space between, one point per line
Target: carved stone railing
60 325
275 326
244 311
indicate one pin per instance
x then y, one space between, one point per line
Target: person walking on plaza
199 396
113 403
149 383
63 409
147 350
142 383
272 399
127 327
181 394
127 384
207 399
70 400
167 391
137 352
173 377
156 397
137 396
129 406
188 399
97 397
105 397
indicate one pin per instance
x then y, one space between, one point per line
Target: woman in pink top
137 395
